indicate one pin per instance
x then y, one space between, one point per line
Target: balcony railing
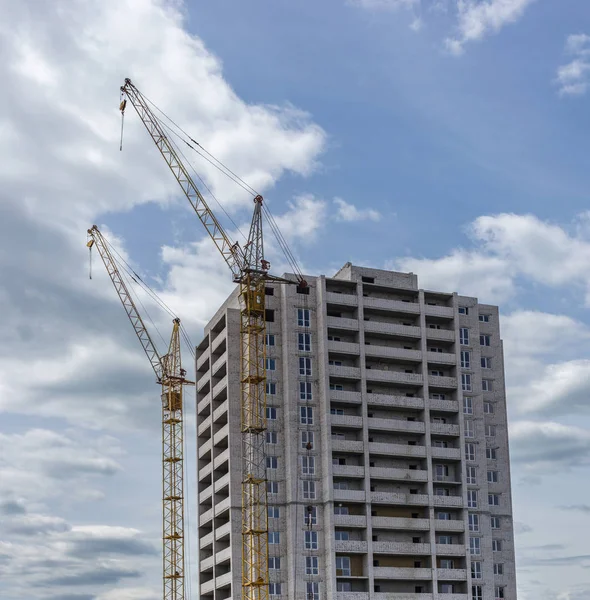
387 449
344 396
342 323
440 334
442 382
350 520
393 305
444 429
348 471
451 574
385 375
399 573
395 401
342 371
351 421
392 329
393 352
398 474
342 299
400 523
400 548
353 546
449 453
343 347
395 425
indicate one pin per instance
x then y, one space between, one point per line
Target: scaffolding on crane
172 378
250 271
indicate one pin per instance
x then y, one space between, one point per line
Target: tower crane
250 271
171 376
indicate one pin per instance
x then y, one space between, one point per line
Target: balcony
395 401
221 507
349 495
385 449
348 397
451 574
392 329
450 549
402 573
397 474
339 445
203 403
444 429
438 381
219 387
350 521
449 453
393 305
221 410
353 596
342 323
444 405
202 381
342 299
206 470
348 471
202 360
223 531
399 498
219 363
401 548
395 425
400 523
345 372
205 518
350 421
393 352
439 311
207 586
205 494
352 546
400 596
221 483
453 501
219 339
206 540
204 426
452 479
389 376
220 459
447 335
223 580
457 525
221 435
343 347
441 358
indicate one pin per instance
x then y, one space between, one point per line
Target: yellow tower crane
250 270
171 376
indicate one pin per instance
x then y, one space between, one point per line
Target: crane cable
128 273
220 166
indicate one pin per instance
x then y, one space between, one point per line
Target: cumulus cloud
479 18
573 77
507 247
349 212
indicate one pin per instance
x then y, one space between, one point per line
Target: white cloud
470 273
508 248
480 18
349 212
573 77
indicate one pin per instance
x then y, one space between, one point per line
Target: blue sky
446 137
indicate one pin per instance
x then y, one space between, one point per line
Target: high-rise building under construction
386 449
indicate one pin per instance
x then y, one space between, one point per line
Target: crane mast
250 270
171 376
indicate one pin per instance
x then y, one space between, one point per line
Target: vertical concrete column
427 440
364 413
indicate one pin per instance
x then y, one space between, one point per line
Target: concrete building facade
387 447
